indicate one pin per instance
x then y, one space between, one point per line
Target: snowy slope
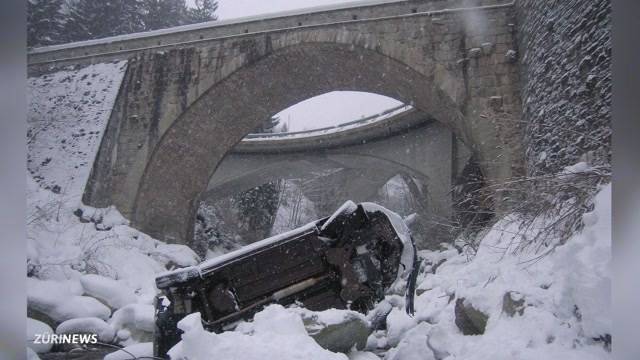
562 310
87 269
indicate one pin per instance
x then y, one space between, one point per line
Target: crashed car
346 261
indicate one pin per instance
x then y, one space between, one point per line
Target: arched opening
194 146
304 162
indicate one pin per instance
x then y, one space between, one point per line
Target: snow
76 263
35 327
67 114
134 316
59 301
80 258
566 297
275 333
141 351
413 345
88 325
346 208
398 322
112 292
328 317
575 275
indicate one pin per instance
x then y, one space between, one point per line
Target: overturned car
346 261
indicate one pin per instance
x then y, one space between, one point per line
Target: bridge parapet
387 123
125 46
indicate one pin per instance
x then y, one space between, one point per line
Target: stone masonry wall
565 55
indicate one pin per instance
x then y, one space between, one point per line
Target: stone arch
257 175
191 149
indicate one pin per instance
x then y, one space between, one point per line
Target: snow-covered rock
35 327
413 345
112 292
89 325
398 322
336 330
60 302
133 323
275 333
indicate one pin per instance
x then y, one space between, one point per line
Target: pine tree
258 208
268 126
92 19
160 14
203 11
45 22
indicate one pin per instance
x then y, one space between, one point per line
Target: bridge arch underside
194 145
328 178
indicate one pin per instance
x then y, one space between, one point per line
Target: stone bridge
404 141
190 94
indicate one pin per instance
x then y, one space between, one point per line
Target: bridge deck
370 10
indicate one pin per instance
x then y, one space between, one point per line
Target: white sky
334 108
320 111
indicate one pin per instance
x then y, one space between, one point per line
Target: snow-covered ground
90 272
557 307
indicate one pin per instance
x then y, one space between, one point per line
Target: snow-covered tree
269 125
204 10
257 208
160 14
45 22
92 19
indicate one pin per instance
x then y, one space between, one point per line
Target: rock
35 329
351 332
513 303
468 319
40 316
89 325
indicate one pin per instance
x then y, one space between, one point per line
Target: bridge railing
394 111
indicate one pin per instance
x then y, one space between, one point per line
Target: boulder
339 336
468 319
